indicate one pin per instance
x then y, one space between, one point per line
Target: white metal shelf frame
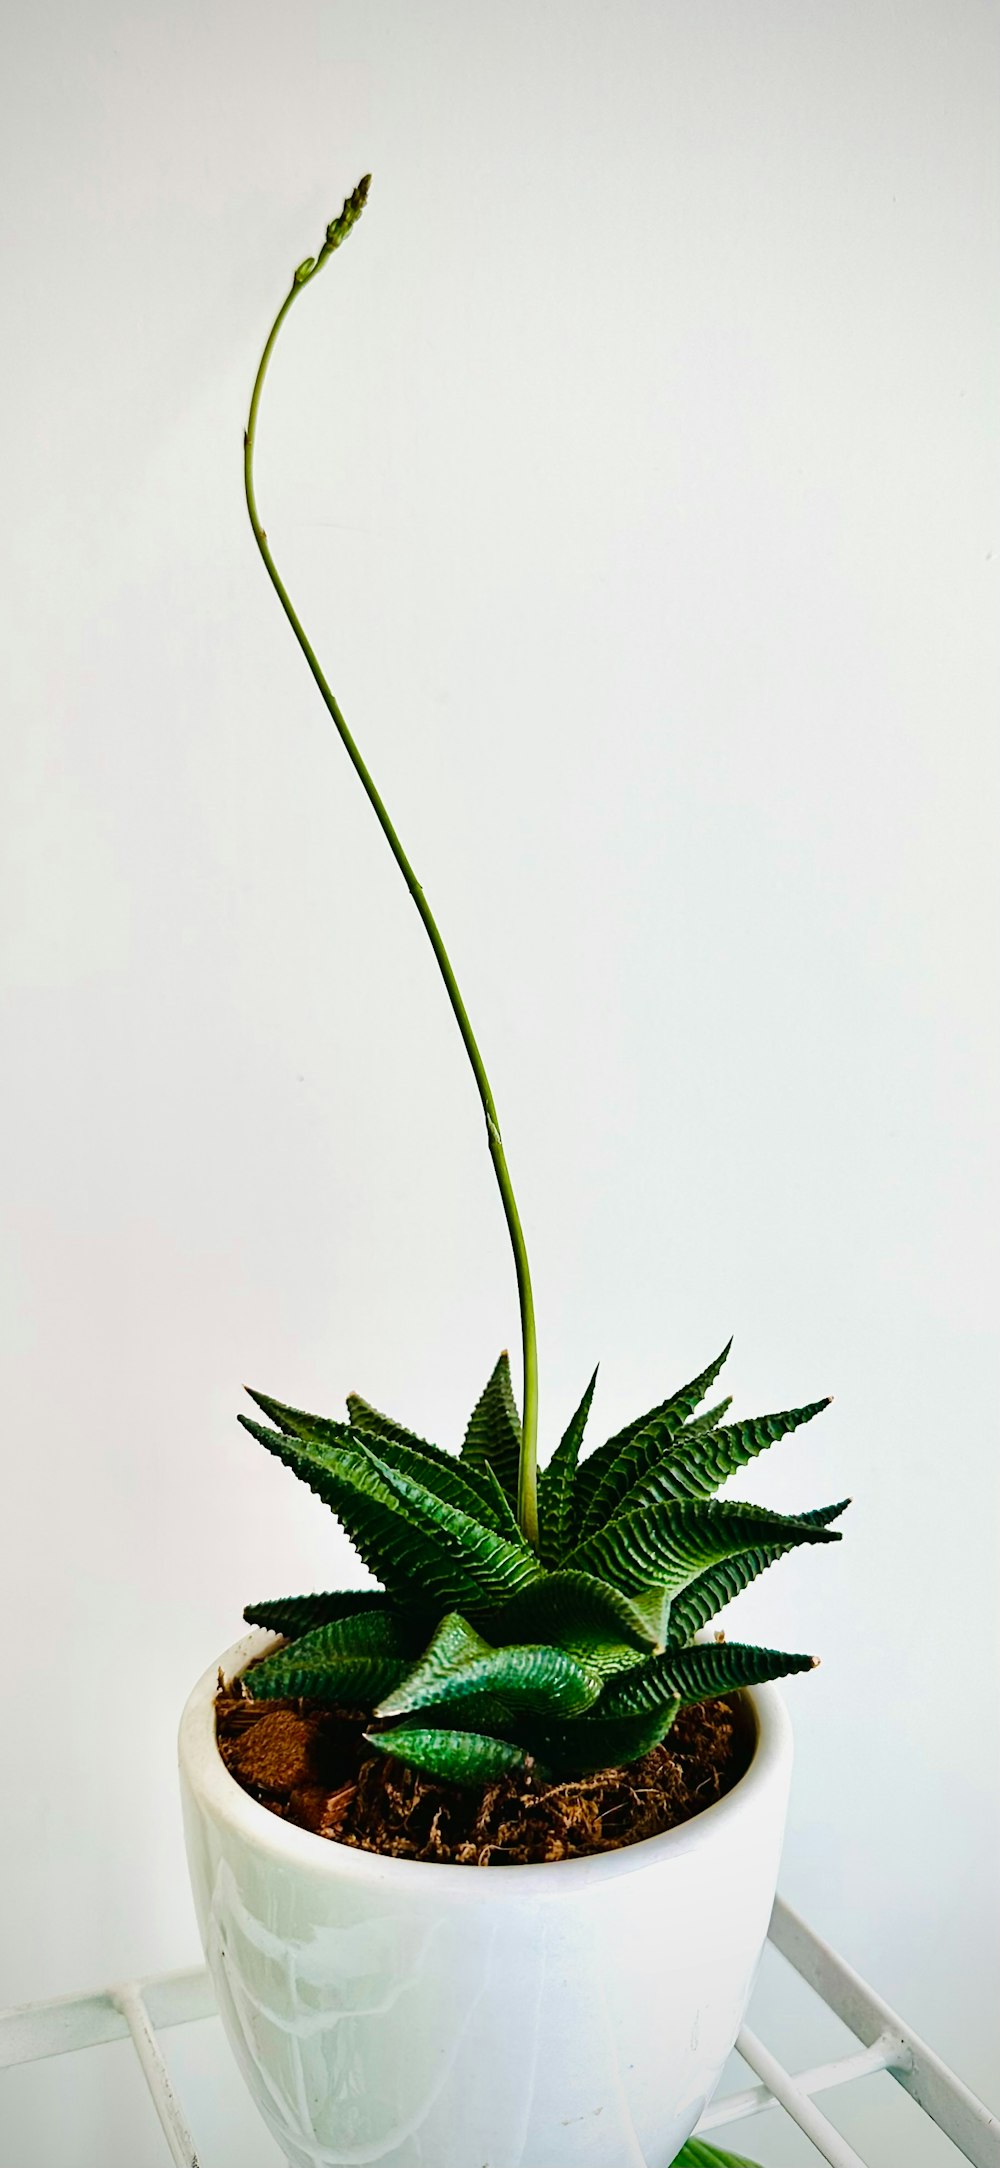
142 2009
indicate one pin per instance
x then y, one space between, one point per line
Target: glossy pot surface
410 2015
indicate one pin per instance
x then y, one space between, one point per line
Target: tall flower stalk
527 1492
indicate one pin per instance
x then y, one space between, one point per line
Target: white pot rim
225 1799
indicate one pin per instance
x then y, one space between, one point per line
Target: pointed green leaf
296 1423
698 1460
402 1449
595 1743
372 1423
350 1663
604 1478
459 1757
709 1593
696 1674
423 1549
556 1485
467 1488
454 1643
668 1545
696 2154
693 1462
298 1614
493 1436
462 1675
495 1495
477 1485
576 1612
712 1416
637 1456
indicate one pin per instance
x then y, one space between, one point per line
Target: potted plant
509 1693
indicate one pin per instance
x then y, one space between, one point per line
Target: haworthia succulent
467 1488
595 1742
486 1477
596 1491
711 1591
557 1483
460 1757
711 1418
441 1471
414 1542
669 1545
696 1674
698 1461
298 1423
577 1612
493 1434
350 1663
570 1662
371 1422
453 1643
692 1462
298 1614
469 1682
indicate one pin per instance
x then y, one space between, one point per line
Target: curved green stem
527 1504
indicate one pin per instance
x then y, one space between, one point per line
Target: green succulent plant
481 1654
520 1621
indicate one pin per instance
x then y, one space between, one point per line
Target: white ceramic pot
388 2011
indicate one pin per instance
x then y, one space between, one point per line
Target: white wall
635 466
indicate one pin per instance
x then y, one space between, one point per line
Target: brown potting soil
312 1765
